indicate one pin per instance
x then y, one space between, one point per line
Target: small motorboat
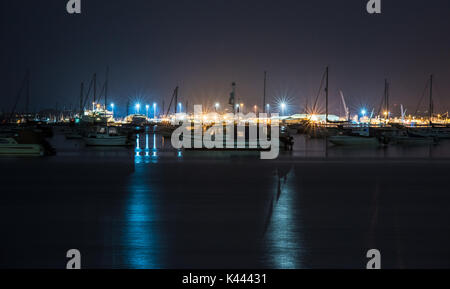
10 147
106 136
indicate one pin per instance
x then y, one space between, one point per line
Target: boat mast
264 94
27 105
81 98
174 96
176 99
386 98
233 99
106 88
326 96
95 88
431 99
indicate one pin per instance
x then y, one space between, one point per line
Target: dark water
153 207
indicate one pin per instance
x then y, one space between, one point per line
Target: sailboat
433 131
362 136
318 131
99 114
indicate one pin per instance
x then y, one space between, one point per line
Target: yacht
10 147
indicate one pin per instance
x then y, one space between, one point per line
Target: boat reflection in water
283 243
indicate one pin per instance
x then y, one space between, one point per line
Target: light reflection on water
285 243
143 155
146 154
143 246
307 148
141 235
304 147
283 237
141 238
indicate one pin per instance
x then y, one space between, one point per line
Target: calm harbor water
153 207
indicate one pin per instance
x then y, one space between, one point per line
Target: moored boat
406 138
10 147
441 133
106 136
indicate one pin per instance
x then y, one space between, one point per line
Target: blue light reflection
284 245
142 246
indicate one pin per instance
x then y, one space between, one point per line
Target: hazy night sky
204 45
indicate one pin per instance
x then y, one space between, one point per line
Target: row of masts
93 86
84 97
386 97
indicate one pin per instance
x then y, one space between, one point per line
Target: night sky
204 45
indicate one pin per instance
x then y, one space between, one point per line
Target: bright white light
138 106
147 106
217 105
112 105
154 104
363 112
283 103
